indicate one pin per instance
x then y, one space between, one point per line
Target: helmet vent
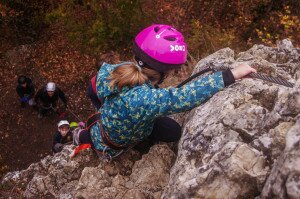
156 29
170 38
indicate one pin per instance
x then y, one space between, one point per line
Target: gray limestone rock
231 143
284 179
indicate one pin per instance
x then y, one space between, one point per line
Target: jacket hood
102 83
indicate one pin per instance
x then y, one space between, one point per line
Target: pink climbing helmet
160 47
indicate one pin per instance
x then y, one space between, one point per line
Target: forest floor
25 138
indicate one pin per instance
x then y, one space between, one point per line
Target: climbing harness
63 114
48 107
275 80
102 154
60 115
105 138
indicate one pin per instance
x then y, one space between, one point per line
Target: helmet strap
141 64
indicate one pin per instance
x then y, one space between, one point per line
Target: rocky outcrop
242 143
231 143
85 176
284 180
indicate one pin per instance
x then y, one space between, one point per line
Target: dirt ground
25 139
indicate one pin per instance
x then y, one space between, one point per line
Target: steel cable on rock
275 80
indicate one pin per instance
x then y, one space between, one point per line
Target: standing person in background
62 136
47 97
25 90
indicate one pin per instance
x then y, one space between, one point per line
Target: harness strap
106 140
92 120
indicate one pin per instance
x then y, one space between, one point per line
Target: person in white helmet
62 137
47 97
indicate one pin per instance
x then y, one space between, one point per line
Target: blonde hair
131 75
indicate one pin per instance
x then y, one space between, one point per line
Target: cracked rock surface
235 144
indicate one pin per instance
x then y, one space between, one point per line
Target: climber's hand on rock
242 70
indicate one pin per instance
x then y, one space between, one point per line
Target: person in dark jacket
47 98
62 137
25 90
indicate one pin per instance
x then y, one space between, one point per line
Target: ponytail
132 75
127 75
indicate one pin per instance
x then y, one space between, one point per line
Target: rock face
284 180
85 176
231 143
242 143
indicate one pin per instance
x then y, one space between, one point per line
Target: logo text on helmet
177 48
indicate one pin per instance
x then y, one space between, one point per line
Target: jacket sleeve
30 87
56 139
31 90
19 91
166 101
62 95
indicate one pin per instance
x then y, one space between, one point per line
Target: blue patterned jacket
128 115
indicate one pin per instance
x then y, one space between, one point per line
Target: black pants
165 129
93 96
